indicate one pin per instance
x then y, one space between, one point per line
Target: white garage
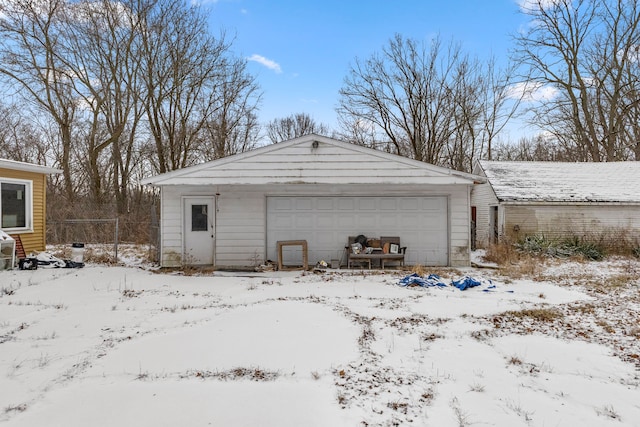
230 212
326 222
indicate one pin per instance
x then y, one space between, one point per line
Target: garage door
326 223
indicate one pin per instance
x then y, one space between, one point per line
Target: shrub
562 248
580 246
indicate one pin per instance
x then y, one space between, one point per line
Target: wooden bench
377 254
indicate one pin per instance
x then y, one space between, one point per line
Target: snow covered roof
610 182
27 167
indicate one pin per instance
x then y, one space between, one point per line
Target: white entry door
199 230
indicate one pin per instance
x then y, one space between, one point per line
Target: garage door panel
388 204
410 204
325 203
304 203
434 203
324 240
366 221
303 221
387 222
283 204
326 222
346 204
367 204
347 222
281 220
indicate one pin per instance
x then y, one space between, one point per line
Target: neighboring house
23 202
556 199
230 212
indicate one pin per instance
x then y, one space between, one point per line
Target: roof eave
28 167
568 202
260 181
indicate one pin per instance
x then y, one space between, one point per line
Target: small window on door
199 218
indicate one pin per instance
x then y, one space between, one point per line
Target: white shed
230 212
557 199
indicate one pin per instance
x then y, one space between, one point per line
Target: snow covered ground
126 346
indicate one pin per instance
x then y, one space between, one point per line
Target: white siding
596 221
240 227
241 217
459 226
482 197
314 160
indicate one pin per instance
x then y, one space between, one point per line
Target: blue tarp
434 280
465 283
416 280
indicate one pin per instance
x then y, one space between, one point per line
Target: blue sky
300 50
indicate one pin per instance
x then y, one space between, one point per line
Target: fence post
116 240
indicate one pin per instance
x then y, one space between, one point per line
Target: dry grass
513 263
536 314
240 373
105 253
530 267
584 308
445 272
514 360
617 241
612 283
502 253
524 319
419 269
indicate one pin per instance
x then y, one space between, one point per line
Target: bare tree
180 58
543 148
293 126
113 76
192 81
586 51
400 93
233 127
30 63
98 47
432 103
21 139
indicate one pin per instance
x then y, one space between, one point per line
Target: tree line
112 91
119 90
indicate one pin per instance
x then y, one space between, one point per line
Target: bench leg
360 261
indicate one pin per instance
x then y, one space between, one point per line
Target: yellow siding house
23 202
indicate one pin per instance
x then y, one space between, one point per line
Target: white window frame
28 198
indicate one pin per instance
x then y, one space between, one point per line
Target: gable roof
27 167
312 159
610 182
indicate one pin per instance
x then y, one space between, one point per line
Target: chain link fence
104 238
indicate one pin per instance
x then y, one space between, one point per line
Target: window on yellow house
15 204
